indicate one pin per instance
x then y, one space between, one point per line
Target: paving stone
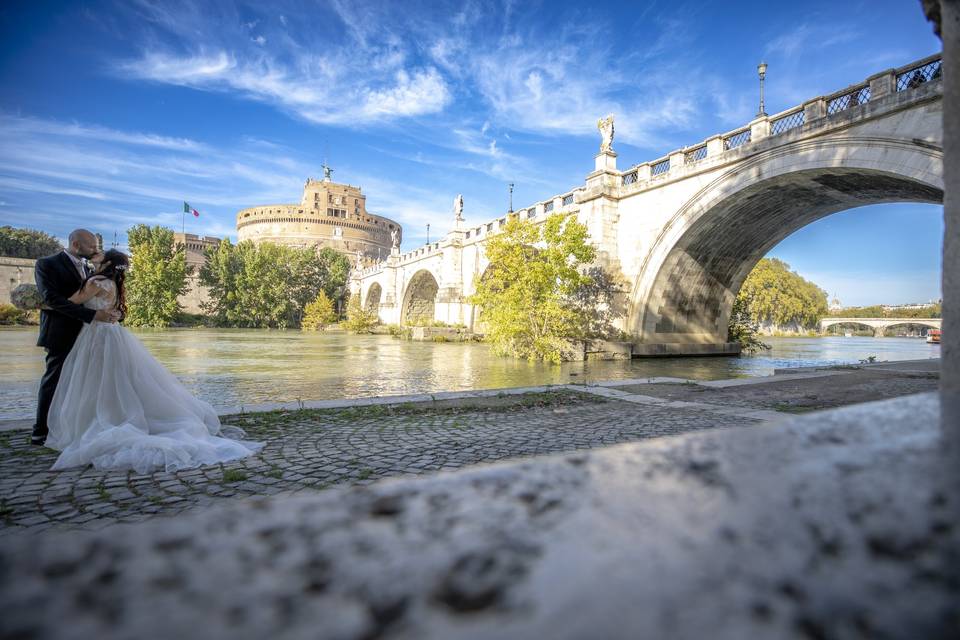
319 449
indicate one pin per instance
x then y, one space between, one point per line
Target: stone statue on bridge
395 238
458 207
605 126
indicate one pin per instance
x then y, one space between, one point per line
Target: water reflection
233 367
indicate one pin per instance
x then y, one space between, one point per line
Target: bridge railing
737 138
905 78
848 98
920 72
791 120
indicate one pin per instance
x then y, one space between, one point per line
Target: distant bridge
682 232
880 325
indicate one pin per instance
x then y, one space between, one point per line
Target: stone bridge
880 325
683 231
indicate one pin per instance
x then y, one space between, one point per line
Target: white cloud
24 125
111 179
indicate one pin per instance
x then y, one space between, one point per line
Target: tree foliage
27 243
158 275
877 311
359 320
774 296
268 285
535 297
744 329
319 313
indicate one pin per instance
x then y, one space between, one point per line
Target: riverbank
313 446
243 367
825 525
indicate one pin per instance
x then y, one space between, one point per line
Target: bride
116 407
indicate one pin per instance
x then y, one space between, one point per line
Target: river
231 367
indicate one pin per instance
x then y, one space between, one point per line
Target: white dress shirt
78 264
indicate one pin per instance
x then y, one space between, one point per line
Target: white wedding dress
117 407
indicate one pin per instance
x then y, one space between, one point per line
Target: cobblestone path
311 450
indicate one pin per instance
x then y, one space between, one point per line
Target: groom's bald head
82 242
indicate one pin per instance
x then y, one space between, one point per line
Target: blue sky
113 113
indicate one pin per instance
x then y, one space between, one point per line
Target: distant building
330 214
195 247
904 307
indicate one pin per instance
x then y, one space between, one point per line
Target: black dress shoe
38 441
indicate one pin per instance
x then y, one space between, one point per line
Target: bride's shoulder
104 283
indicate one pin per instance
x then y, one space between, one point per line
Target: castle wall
195 246
14 272
329 215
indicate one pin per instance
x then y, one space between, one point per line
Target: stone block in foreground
838 524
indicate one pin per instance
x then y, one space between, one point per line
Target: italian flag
188 209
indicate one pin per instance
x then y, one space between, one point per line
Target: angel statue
359 259
395 238
605 125
458 206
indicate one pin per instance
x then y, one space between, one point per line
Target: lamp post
511 197
762 72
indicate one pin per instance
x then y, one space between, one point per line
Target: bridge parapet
537 212
881 322
906 78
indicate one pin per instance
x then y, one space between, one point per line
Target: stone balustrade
907 77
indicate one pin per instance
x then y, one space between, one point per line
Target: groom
58 277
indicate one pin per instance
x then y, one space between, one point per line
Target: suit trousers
48 386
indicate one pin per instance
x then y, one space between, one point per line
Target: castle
329 215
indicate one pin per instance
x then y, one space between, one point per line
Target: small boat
933 336
848 334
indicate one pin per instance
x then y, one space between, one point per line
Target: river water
232 367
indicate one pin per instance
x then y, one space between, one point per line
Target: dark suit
60 322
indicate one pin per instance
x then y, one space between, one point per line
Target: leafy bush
10 315
184 319
358 319
318 314
743 328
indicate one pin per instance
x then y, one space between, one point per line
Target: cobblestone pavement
311 450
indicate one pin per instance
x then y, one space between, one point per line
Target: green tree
359 320
529 295
318 314
27 243
336 269
158 275
774 296
267 285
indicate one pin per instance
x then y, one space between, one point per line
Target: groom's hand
107 315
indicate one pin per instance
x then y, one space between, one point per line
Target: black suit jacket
61 320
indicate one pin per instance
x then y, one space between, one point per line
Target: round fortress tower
329 215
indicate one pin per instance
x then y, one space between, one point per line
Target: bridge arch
919 322
690 277
419 298
371 302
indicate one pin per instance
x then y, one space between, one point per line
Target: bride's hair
116 265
